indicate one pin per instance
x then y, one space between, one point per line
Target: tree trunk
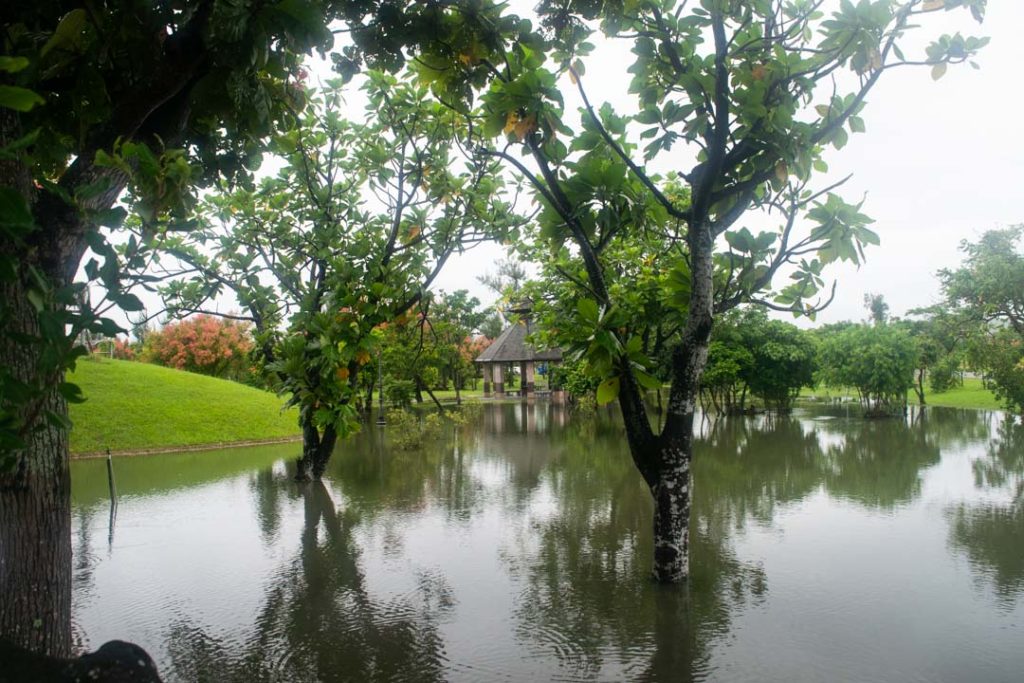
316 451
669 474
919 389
671 493
35 509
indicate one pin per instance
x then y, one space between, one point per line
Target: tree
876 306
784 360
203 344
507 279
317 266
879 362
97 99
750 90
986 294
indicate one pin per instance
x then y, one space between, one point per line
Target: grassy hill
136 405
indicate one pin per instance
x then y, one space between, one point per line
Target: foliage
316 265
1001 354
97 101
735 82
985 296
400 392
877 361
204 344
124 350
574 379
770 359
877 308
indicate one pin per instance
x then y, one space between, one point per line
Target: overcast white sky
940 162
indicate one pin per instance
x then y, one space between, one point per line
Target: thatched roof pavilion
511 348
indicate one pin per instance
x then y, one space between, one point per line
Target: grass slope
971 395
136 405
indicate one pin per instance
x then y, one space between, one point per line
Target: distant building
511 348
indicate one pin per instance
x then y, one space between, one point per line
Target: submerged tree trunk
317 448
668 472
35 509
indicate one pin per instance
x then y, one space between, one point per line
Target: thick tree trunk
671 491
35 510
669 474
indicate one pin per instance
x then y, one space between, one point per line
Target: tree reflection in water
318 621
991 533
553 523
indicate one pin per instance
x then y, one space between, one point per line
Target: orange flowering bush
205 344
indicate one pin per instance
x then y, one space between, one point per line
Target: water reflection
318 621
517 548
991 533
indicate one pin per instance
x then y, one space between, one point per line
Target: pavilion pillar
487 378
528 378
499 380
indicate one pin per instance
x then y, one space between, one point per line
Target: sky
941 162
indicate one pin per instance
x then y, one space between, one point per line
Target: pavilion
511 348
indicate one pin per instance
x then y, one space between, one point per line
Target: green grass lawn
971 395
136 405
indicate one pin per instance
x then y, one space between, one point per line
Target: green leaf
857 124
57 420
68 31
12 64
72 393
18 99
111 218
647 381
938 71
607 391
129 302
587 308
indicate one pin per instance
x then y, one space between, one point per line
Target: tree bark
668 475
35 510
317 448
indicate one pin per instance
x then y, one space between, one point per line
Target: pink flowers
203 343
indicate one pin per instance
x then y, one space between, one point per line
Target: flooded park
517 547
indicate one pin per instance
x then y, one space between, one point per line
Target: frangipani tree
349 234
741 100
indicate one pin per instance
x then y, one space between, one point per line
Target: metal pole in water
113 500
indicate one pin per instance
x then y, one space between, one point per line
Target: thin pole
110 478
380 394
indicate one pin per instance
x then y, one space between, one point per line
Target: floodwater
825 548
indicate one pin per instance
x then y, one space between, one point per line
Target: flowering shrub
204 344
123 350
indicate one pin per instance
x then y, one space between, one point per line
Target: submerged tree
879 362
753 92
348 235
